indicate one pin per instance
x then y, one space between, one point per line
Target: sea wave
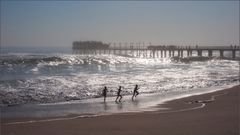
73 60
54 78
55 60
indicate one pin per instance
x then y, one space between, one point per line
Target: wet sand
215 113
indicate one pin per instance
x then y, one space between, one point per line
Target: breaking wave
55 78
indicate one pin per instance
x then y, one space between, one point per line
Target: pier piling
155 51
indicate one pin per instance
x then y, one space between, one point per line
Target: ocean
55 82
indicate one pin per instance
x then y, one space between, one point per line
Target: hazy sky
59 23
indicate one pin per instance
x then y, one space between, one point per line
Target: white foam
79 77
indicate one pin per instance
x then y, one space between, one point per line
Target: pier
160 51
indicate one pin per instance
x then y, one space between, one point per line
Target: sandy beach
214 113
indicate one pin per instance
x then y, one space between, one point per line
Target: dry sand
186 116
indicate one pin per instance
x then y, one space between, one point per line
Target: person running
104 93
135 91
119 94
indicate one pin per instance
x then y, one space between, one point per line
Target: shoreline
190 113
96 107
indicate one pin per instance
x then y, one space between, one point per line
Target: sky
59 23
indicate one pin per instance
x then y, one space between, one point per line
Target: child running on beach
119 94
104 93
135 91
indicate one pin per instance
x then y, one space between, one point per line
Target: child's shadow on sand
105 106
135 102
119 105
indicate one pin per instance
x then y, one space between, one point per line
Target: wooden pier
160 51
